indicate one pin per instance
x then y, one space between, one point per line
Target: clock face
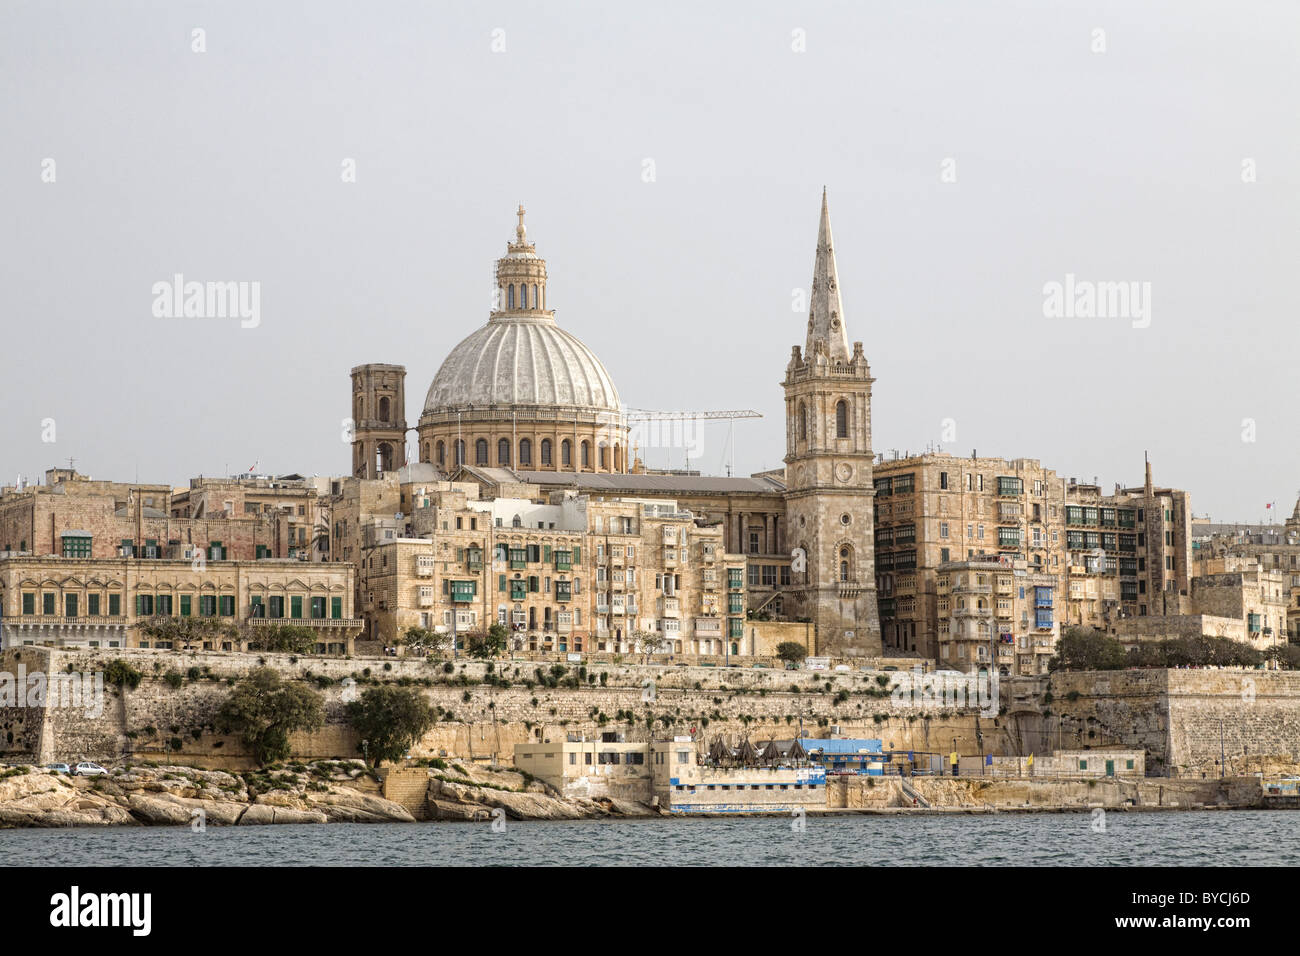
844 471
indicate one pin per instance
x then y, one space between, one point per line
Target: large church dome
521 391
519 360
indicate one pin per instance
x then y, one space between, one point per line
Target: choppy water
1190 838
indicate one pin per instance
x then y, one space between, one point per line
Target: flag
1269 505
252 466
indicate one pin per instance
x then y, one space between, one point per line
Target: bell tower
829 488
378 419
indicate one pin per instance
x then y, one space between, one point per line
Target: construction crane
637 416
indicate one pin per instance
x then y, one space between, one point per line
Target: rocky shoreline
317 792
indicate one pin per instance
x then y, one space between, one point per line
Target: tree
180 631
651 642
792 652
425 639
486 644
1085 649
282 638
264 710
389 720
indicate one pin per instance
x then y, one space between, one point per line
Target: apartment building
936 508
996 612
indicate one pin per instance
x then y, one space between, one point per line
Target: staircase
912 794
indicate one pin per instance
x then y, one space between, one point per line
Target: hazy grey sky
1122 165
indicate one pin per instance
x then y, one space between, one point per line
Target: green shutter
185 605
29 603
501 582
577 554
114 605
546 552
295 607
336 608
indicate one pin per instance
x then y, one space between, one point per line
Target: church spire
826 328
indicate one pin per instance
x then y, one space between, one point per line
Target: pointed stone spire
826 329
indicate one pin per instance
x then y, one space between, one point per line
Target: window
114 605
227 605
566 453
69 605
336 608
441 454
481 452
525 452
586 454
92 605
510 295
207 605
76 546
29 603
317 608
841 419
546 451
47 605
803 421
503 451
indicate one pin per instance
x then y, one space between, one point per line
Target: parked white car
88 769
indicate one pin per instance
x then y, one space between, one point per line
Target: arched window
546 451
358 409
385 457
424 452
460 451
525 451
841 419
603 453
503 451
384 406
536 302
846 563
442 454
481 452
512 296
517 522
586 454
523 296
618 458
566 453
803 422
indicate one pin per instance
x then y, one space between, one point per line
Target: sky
361 164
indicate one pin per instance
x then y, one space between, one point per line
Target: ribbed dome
522 361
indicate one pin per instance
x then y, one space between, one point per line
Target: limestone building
102 602
1142 536
995 612
573 575
937 508
74 516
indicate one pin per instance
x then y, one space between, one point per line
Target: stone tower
378 419
830 494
